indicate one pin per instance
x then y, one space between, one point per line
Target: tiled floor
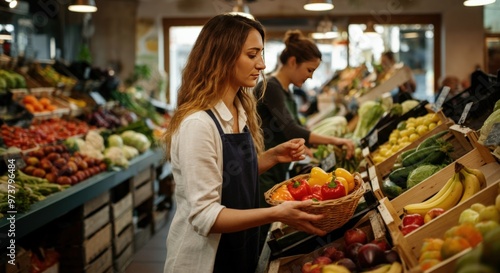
151 257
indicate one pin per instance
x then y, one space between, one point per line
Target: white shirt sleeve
199 154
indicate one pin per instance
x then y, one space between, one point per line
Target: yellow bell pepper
282 194
318 177
341 172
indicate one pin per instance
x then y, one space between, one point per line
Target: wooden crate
465 149
123 240
371 224
123 260
122 221
143 192
95 203
120 207
80 256
142 177
411 244
101 264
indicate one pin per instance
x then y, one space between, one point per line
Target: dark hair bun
292 36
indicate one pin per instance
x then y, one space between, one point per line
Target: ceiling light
83 6
473 3
242 9
411 35
318 5
12 4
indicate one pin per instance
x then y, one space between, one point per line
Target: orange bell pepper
282 194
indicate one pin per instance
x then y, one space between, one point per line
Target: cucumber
417 156
400 175
407 153
391 189
432 140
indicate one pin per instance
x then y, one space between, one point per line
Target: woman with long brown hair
215 146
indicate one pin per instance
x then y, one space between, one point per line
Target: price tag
493 138
373 139
465 113
442 97
99 100
16 158
386 215
329 162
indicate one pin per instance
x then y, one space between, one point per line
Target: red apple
415 218
306 267
322 260
433 213
382 243
409 228
355 235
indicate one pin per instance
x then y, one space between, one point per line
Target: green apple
489 213
486 226
477 207
468 216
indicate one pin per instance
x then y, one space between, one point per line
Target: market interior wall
463 33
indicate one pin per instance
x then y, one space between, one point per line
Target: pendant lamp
83 6
474 3
318 5
242 9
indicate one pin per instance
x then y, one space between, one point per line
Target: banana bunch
395 267
461 186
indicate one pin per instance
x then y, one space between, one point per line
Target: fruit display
477 230
354 253
42 132
56 164
35 105
407 132
53 77
11 80
461 186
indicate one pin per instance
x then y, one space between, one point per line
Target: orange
453 245
30 108
30 99
45 101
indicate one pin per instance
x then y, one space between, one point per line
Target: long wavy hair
210 69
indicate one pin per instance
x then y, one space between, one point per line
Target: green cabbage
369 114
408 105
420 174
137 140
488 125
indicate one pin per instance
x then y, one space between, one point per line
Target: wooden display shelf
400 76
60 203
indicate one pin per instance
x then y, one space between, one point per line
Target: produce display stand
63 202
409 246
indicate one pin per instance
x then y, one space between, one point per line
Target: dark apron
238 251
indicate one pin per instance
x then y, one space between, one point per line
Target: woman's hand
292 150
349 144
290 214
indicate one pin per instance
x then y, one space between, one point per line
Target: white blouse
196 158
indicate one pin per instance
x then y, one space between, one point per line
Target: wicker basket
336 211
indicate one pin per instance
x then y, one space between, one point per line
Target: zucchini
432 140
400 175
418 156
391 189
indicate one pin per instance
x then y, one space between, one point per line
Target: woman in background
278 110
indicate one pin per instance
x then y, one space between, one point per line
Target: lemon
413 137
403 140
410 124
432 125
410 130
422 130
404 133
410 120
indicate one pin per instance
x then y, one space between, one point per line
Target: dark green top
280 123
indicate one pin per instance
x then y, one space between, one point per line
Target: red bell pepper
333 190
299 188
313 196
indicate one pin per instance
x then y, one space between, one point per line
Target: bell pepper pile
319 187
